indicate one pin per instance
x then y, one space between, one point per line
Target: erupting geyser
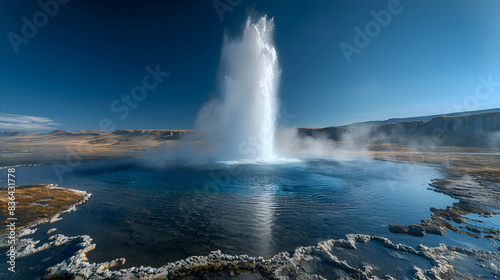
242 124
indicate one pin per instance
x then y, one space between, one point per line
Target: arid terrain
60 145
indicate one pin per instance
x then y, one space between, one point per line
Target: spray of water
241 124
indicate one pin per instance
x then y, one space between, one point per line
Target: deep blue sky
427 60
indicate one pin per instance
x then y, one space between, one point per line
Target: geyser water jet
250 80
241 125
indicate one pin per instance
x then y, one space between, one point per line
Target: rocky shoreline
476 194
298 264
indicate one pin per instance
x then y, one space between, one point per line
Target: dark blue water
151 216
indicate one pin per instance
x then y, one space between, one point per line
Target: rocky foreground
322 261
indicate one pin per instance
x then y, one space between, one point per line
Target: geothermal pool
154 216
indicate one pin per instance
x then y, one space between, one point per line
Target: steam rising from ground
494 139
291 143
352 144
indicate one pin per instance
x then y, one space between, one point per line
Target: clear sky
84 55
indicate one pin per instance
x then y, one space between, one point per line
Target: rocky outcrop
461 130
468 130
421 118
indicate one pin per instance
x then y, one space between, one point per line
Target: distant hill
99 136
157 134
421 118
